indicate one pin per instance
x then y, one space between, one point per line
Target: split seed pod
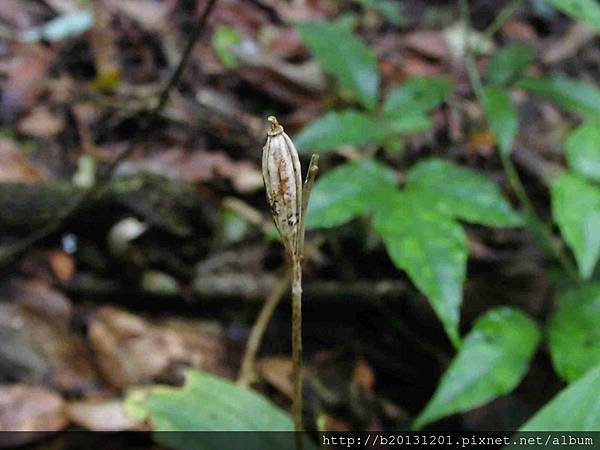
283 183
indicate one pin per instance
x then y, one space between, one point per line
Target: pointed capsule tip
275 127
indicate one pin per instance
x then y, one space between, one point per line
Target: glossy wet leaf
575 408
461 192
431 248
508 63
574 332
582 149
502 117
343 55
580 96
417 95
336 129
576 210
210 403
348 191
493 359
585 10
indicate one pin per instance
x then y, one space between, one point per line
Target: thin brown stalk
259 328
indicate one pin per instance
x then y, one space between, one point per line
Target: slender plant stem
501 19
259 328
297 259
8 253
536 225
297 347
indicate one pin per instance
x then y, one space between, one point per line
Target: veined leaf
460 192
344 56
348 191
576 210
582 150
575 408
574 334
502 117
335 129
417 95
431 248
576 95
210 403
585 10
508 63
493 359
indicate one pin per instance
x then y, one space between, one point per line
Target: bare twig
8 253
260 326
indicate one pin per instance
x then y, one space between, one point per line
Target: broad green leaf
493 359
509 62
576 210
576 95
582 150
417 95
348 191
210 403
460 192
585 10
223 39
344 56
335 129
431 248
574 332
502 117
575 408
407 123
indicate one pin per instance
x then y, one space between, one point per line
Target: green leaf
576 210
210 403
348 191
509 62
575 408
582 150
432 249
223 39
574 334
407 123
460 192
502 117
576 95
417 95
392 11
493 359
335 129
585 10
344 56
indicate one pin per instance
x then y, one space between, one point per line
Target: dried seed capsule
283 183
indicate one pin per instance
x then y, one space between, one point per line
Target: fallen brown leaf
277 370
102 415
29 408
40 122
130 350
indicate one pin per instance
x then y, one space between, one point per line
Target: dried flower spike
283 183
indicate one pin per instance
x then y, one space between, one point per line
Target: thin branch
9 252
259 328
537 227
